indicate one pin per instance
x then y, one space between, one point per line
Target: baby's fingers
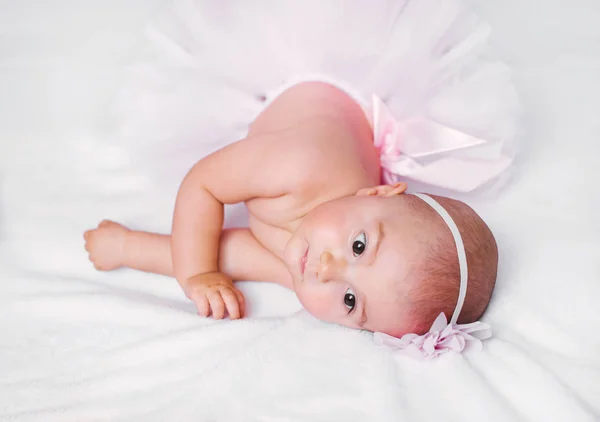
242 301
217 305
231 301
202 305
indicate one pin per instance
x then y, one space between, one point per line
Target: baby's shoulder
312 165
317 156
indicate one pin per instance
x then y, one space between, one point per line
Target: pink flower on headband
441 338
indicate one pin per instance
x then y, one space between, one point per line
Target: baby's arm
236 173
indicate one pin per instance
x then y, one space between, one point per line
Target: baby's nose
330 267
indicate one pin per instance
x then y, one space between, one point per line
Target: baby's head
386 261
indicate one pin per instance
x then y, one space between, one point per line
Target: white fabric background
79 345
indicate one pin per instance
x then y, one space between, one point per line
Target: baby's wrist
200 277
204 279
127 245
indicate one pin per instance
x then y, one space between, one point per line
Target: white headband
443 336
460 249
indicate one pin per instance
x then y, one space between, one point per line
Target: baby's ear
384 191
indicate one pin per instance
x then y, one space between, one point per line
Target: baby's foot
106 245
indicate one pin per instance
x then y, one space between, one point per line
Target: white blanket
78 345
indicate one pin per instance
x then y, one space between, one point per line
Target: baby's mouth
303 261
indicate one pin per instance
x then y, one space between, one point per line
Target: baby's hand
213 293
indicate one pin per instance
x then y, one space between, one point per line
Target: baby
355 252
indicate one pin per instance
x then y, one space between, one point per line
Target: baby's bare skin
106 245
311 146
326 143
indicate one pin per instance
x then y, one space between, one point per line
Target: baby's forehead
408 236
401 254
391 274
387 308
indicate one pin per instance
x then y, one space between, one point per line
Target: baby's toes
87 235
100 263
91 255
98 266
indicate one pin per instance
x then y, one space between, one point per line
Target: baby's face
351 262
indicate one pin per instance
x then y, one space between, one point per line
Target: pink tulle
441 338
424 150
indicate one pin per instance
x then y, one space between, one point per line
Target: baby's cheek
318 302
326 227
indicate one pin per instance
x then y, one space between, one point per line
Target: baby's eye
359 244
350 300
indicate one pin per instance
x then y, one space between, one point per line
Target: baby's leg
112 246
241 256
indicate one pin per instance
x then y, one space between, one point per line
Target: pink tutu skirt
448 103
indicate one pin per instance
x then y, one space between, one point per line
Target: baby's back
329 154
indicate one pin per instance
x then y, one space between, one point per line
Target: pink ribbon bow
430 152
441 338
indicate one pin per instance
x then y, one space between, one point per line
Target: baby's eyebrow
380 236
363 316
